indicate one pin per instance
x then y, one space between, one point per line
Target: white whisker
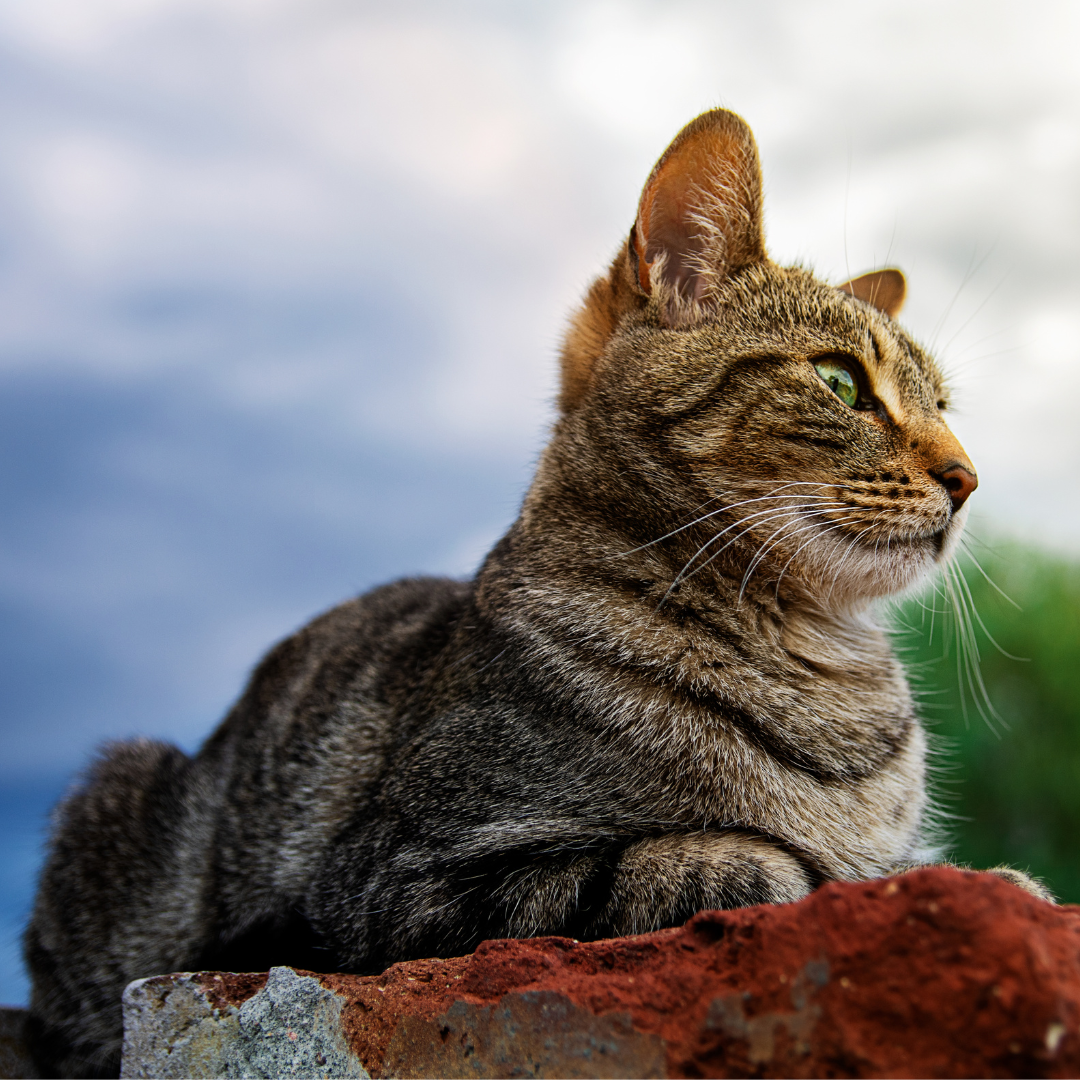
723 509
765 516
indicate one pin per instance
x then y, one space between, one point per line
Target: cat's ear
883 289
698 220
700 216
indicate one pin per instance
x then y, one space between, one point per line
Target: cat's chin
850 575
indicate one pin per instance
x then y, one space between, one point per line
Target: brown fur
664 690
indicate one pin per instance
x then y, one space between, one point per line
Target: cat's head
795 422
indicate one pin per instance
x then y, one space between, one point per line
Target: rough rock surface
178 1026
938 972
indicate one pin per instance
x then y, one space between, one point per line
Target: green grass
1013 779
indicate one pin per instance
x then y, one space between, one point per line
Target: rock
186 1025
939 972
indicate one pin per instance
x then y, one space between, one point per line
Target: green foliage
1011 764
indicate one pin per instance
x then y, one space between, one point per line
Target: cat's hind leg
118 899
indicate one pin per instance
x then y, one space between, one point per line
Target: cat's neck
584 583
821 689
651 553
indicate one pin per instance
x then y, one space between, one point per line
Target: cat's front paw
1024 881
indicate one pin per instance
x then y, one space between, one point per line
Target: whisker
766 547
986 300
975 611
765 515
683 574
968 656
723 509
989 579
847 552
950 589
933 613
783 570
850 519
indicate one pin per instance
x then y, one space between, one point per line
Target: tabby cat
665 689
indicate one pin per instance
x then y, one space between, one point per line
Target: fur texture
664 690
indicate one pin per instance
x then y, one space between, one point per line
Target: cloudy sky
281 284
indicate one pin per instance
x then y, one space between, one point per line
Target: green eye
839 380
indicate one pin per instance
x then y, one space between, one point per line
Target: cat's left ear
700 217
883 289
698 221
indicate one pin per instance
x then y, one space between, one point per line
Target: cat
665 689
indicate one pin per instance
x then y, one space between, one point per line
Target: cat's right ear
700 215
883 289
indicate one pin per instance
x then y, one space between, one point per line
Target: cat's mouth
939 539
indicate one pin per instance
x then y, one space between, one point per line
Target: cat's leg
1023 881
374 914
119 899
652 883
1007 873
662 881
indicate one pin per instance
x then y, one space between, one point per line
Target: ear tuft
700 215
883 289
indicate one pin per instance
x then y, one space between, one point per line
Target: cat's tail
119 899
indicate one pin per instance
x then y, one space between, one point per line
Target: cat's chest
827 697
848 790
817 746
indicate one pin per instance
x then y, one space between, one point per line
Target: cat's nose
959 482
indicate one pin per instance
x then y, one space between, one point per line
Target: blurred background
282 283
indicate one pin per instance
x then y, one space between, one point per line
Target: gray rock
290 1028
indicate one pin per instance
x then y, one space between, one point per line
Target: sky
282 284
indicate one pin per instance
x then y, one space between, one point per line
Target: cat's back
321 714
367 652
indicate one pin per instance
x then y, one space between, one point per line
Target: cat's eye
839 379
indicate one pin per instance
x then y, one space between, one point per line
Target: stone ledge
938 972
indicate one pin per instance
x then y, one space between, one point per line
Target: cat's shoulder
405 602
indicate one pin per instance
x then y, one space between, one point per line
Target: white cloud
483 163
629 67
187 182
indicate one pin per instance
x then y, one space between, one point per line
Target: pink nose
959 483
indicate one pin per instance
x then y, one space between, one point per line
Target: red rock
939 972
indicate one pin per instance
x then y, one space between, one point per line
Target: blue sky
281 285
